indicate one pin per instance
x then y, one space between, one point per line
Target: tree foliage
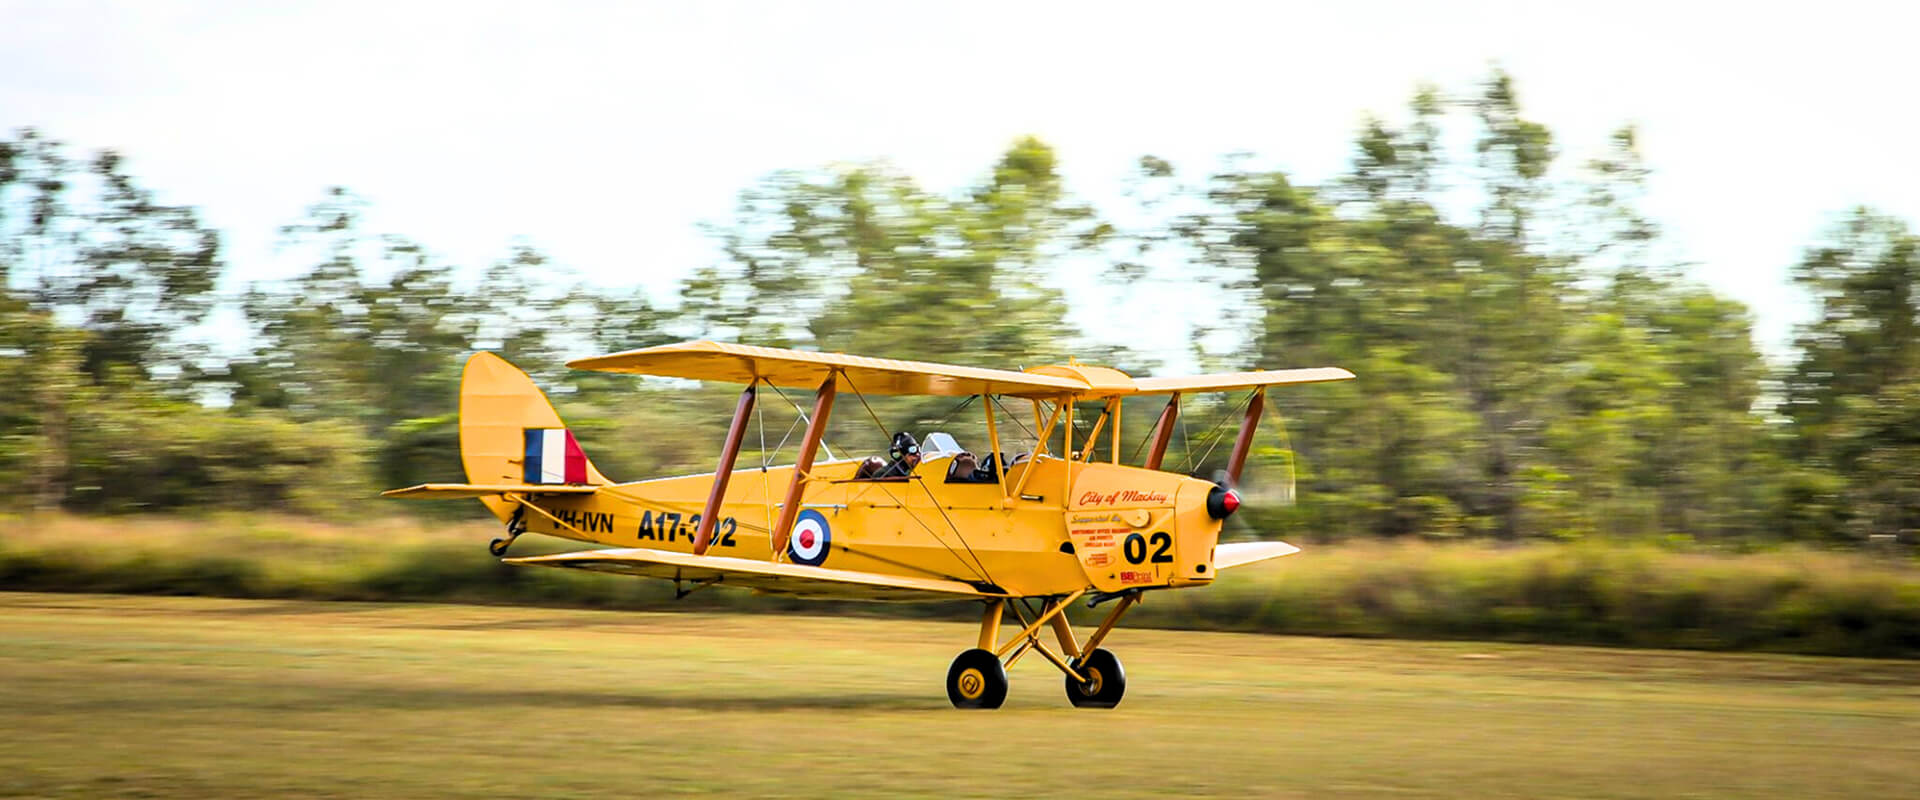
1533 362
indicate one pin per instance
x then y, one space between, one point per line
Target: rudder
499 404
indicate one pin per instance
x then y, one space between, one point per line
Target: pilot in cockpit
904 454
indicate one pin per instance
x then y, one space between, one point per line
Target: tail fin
504 420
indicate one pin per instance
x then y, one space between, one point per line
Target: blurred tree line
1531 364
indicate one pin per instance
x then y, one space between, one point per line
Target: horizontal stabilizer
796 580
1239 554
459 491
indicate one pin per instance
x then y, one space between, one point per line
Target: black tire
1106 681
976 680
498 547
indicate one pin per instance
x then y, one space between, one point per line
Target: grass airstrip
115 696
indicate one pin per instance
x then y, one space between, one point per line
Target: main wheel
1106 681
498 547
976 680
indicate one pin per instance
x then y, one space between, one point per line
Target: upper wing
739 363
455 491
1239 554
765 576
1228 381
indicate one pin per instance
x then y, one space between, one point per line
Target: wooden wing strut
816 428
1244 444
1163 431
703 533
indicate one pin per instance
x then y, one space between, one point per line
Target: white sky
604 132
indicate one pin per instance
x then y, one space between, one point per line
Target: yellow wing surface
457 491
1240 554
1229 381
738 363
796 580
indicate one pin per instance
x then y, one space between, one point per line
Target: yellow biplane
1031 532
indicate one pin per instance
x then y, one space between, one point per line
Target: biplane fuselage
1074 524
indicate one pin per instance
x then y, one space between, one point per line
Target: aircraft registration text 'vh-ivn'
1028 533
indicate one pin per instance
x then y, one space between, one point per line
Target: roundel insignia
810 539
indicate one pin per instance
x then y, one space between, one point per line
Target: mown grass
1799 601
115 696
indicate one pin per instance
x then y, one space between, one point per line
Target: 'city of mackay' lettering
1123 496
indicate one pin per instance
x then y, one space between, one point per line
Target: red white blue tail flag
554 457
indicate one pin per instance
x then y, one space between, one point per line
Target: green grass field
113 696
1600 593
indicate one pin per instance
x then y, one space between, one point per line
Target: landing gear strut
978 677
516 525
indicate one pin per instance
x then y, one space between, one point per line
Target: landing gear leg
977 679
1105 681
516 525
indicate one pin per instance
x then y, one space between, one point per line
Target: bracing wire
789 434
955 411
863 404
1286 441
1143 442
956 531
976 568
1212 432
902 564
803 418
1015 418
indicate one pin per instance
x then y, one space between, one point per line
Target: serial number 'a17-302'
669 526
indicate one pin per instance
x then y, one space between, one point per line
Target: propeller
1223 500
1225 497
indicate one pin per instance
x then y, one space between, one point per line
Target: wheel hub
971 683
1093 684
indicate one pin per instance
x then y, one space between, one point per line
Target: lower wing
766 577
1239 554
